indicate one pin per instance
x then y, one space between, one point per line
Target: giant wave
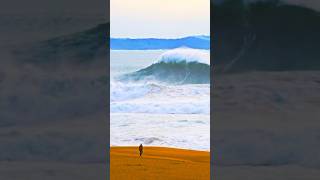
177 66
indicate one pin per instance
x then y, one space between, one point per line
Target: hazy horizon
208 35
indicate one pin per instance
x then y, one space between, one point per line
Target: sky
159 18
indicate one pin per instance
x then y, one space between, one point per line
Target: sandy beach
159 163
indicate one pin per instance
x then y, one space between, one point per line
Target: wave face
256 44
177 66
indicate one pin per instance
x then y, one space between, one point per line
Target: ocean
160 98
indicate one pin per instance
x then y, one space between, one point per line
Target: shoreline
159 147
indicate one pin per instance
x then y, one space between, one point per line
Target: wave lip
177 66
187 55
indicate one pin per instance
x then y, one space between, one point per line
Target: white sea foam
185 54
160 99
189 131
126 91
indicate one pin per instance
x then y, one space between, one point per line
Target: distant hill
268 36
197 42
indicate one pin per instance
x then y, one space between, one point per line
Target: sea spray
172 111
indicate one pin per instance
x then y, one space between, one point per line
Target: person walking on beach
141 149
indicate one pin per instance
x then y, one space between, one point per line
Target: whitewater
160 98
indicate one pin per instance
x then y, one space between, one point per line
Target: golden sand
158 163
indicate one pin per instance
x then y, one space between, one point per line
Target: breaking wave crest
177 66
